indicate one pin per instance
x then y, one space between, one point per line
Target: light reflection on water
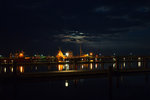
65 67
139 64
105 88
116 88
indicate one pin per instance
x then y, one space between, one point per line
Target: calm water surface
99 88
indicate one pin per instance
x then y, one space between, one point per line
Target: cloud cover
98 23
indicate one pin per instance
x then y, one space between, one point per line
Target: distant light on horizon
21 55
67 54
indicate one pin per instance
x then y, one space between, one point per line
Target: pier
15 67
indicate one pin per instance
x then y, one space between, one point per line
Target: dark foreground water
121 87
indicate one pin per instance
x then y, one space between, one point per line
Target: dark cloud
92 23
102 9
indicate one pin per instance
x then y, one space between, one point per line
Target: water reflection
66 83
96 65
107 88
139 64
5 69
91 66
113 85
12 69
124 64
60 67
21 69
36 68
82 66
114 65
65 67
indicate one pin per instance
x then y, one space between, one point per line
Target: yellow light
21 55
21 69
124 64
60 67
12 69
91 60
66 84
86 55
5 69
91 54
91 66
139 64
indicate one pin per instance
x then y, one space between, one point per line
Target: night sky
104 26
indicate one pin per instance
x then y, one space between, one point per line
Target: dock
74 74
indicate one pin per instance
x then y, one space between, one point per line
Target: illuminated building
21 54
69 54
60 54
85 55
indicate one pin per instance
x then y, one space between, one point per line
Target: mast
80 50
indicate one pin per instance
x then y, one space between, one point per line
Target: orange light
91 54
85 55
60 67
60 54
96 65
27 57
21 55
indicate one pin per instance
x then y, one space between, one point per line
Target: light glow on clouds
102 9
